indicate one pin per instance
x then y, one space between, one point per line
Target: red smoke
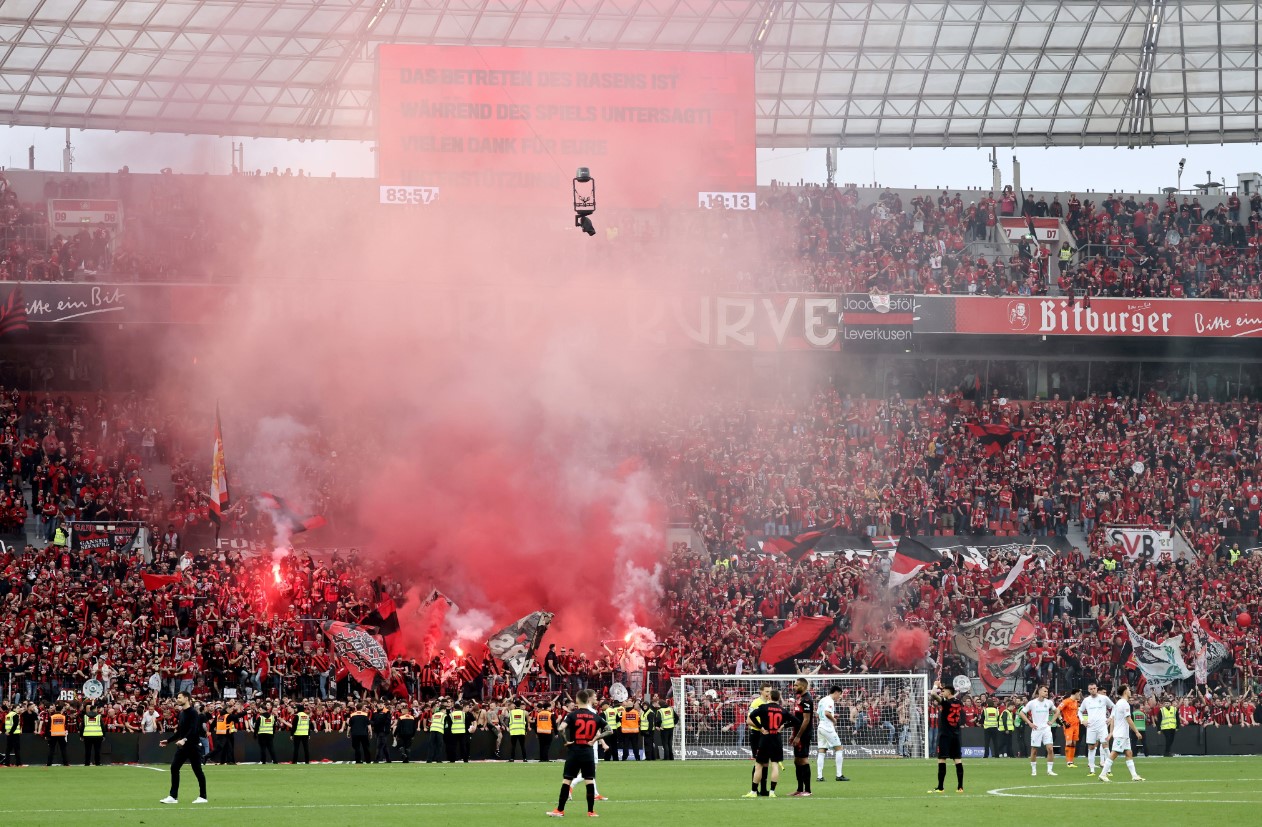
908 646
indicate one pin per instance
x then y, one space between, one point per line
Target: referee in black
188 748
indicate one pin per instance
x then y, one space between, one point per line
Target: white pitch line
1002 792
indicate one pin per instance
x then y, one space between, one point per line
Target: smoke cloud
446 385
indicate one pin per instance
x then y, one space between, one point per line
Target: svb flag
909 559
218 477
515 644
998 643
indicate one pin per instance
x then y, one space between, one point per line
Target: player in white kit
1121 730
1095 710
828 737
1039 714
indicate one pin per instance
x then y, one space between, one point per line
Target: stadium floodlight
584 200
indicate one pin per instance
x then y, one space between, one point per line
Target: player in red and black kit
769 717
805 718
950 714
581 729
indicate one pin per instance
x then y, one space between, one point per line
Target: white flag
1161 663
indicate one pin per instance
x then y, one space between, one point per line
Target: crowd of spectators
808 237
738 473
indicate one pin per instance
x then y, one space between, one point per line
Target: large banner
88 537
515 644
1056 316
1160 663
119 303
998 643
1150 543
509 126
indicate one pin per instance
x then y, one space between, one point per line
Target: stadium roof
845 73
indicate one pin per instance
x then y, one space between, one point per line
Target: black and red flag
909 559
998 643
286 516
795 548
385 616
358 652
13 313
994 438
153 582
798 641
515 644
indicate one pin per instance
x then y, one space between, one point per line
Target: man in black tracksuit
381 725
357 726
187 740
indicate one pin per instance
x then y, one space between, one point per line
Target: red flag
994 438
798 547
909 559
358 652
798 641
153 582
218 477
13 313
386 618
998 643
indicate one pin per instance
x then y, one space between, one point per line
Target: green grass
1198 790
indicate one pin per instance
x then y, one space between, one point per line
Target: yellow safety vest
1066 253
611 717
668 718
302 727
1169 718
267 725
1005 721
92 727
457 722
517 722
990 719
754 704
1110 564
1235 555
644 721
438 720
14 724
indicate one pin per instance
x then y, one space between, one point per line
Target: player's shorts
1121 745
1071 734
770 750
828 738
580 761
1040 737
803 747
1097 734
949 746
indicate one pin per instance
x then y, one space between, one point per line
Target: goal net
878 716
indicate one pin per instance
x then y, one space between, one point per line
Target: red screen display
509 126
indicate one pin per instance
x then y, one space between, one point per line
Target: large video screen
508 126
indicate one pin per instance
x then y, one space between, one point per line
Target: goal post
879 716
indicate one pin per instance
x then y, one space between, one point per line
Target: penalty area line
1004 792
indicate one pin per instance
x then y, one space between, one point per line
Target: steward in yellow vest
265 732
517 721
93 735
302 734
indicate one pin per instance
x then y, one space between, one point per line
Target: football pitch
1200 790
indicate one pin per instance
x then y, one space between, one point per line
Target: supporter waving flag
219 501
1205 645
798 641
994 438
1160 663
909 559
515 644
358 652
998 643
796 548
1001 581
153 582
385 616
